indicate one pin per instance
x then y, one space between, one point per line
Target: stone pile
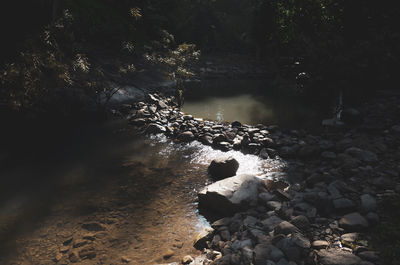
336 182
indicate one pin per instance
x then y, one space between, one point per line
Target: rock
350 237
308 150
353 222
368 203
363 155
373 218
275 253
239 244
328 155
343 204
294 247
274 205
125 259
320 244
264 153
79 243
236 124
64 249
300 222
285 228
261 254
73 257
230 195
155 128
337 257
351 116
200 241
186 136
271 222
266 197
167 254
187 259
87 253
94 226
221 168
369 256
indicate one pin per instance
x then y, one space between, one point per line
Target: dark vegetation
51 47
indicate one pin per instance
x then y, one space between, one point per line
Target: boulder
221 168
230 195
353 222
186 136
200 241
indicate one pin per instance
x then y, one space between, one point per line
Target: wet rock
373 218
353 222
73 257
186 136
239 244
351 116
223 168
294 247
337 257
200 241
264 153
94 226
187 259
167 254
236 124
343 205
274 205
64 249
87 253
79 243
363 155
368 203
125 259
230 195
155 128
369 256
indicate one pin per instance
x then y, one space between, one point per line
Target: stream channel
142 190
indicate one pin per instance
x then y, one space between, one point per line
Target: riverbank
338 184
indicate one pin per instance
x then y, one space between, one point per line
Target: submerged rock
337 257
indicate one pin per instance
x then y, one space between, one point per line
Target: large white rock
230 195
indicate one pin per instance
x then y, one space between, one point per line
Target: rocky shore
317 210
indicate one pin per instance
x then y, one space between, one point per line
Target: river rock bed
336 182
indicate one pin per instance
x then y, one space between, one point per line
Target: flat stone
87 253
125 259
353 222
350 237
94 226
337 257
320 244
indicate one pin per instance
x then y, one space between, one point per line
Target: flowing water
142 189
